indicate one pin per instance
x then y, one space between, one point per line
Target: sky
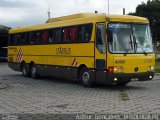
19 13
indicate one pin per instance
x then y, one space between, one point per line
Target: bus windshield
129 38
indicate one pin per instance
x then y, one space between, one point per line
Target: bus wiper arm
126 52
131 42
142 48
136 44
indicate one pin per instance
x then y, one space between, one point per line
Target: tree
150 10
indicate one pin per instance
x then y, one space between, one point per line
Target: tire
85 77
25 71
34 73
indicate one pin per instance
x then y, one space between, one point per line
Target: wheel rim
86 77
24 70
34 71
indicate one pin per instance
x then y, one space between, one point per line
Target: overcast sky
17 13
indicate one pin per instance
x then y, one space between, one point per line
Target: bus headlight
118 69
151 68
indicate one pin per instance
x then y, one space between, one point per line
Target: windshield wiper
142 48
131 42
136 44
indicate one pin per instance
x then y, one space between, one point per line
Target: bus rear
130 54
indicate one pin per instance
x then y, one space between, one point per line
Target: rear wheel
85 77
34 73
25 71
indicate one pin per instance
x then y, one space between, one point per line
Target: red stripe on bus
73 61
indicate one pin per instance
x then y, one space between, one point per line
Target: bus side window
100 36
23 38
73 34
65 31
34 39
40 37
58 34
27 38
37 37
66 35
81 33
84 32
45 36
31 37
15 39
88 32
18 39
51 36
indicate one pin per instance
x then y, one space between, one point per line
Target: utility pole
108 6
49 14
124 11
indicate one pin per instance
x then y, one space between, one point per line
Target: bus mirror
110 35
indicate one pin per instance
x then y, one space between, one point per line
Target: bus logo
19 56
74 63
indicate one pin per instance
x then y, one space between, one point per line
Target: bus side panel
58 71
59 60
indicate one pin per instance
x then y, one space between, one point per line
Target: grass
124 96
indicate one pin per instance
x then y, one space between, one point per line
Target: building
3 42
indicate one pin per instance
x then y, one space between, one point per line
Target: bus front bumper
127 77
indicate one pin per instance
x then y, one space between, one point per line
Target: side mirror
110 35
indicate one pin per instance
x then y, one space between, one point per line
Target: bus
89 47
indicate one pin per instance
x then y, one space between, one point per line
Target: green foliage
124 96
150 10
158 65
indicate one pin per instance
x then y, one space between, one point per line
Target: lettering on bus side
120 61
63 51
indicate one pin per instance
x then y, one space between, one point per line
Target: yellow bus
90 47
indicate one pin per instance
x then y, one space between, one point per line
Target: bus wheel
24 70
34 74
85 77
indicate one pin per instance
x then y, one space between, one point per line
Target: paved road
20 95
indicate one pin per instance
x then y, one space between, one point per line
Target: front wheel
34 73
85 77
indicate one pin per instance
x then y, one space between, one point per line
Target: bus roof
80 19
88 15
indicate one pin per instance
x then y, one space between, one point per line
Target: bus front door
100 53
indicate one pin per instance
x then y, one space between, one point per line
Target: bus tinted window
18 39
31 40
74 33
58 35
39 37
84 33
71 34
51 38
23 38
66 35
45 36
